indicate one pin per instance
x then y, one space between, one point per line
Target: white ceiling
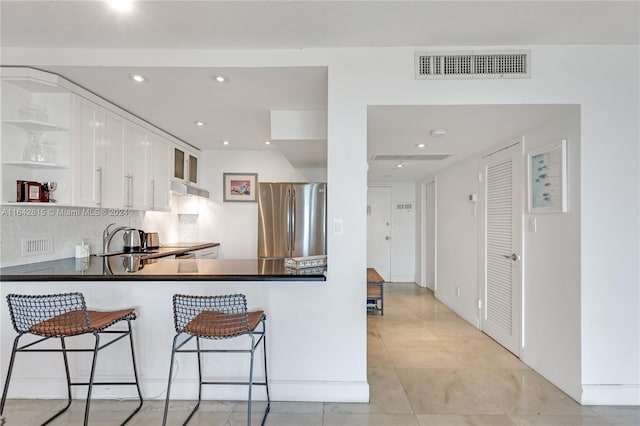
307 24
470 129
238 111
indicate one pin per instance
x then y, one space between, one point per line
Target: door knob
513 256
387 238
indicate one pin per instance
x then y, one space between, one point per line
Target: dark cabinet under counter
136 268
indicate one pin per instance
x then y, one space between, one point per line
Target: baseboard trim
610 395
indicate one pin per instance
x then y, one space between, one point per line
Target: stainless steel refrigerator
292 219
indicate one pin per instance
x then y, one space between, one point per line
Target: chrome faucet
107 235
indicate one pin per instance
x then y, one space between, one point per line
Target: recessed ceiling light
438 132
138 78
199 123
420 145
267 142
220 78
225 142
399 165
121 5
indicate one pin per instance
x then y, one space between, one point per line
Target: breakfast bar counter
124 267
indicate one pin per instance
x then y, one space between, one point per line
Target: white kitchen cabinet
88 153
158 167
36 117
98 154
135 164
99 177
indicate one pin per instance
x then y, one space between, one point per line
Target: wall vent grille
472 65
410 157
34 246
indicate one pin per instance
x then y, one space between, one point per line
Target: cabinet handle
129 190
99 170
153 195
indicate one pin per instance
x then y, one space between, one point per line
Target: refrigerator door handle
289 221
293 223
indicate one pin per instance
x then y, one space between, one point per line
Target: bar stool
62 316
217 318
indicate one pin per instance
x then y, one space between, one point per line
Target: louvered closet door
501 306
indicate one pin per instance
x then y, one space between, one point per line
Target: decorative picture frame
547 175
240 187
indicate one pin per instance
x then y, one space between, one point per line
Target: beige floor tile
377 354
297 407
422 354
294 419
394 332
559 421
445 391
482 353
454 328
524 392
346 408
386 394
370 420
462 420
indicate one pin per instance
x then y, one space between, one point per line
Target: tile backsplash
67 226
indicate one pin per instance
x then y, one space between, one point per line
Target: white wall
233 225
610 179
551 262
457 239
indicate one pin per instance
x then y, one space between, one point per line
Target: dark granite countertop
167 250
117 267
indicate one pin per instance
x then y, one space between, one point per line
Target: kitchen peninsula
132 267
107 285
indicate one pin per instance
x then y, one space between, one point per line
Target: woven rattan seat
63 316
217 318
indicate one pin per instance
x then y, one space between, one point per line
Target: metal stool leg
199 382
266 378
166 403
253 348
66 371
91 376
6 383
135 374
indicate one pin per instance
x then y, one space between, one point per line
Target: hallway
427 366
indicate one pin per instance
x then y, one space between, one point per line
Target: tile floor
427 366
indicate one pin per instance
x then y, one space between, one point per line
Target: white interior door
501 298
379 230
430 235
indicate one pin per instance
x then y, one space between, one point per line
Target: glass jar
33 148
48 151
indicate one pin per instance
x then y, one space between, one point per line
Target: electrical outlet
458 291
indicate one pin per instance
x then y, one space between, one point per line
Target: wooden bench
375 292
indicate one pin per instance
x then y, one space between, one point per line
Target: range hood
182 188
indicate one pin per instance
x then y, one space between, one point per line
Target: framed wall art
547 174
240 187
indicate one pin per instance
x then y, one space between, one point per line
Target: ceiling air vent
410 157
472 65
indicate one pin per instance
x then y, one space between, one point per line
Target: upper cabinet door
88 153
135 163
178 164
193 169
113 183
159 167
